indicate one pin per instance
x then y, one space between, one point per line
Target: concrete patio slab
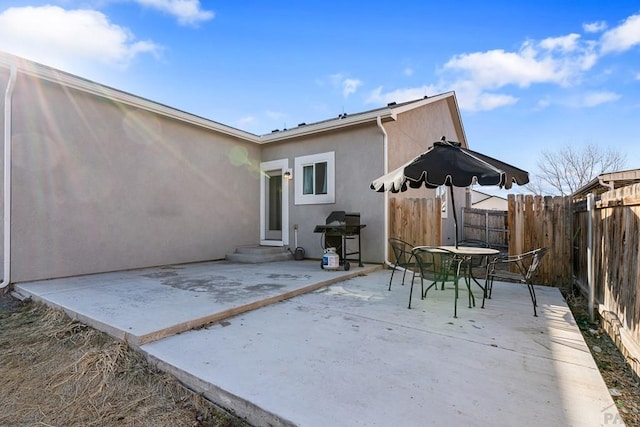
143 305
350 353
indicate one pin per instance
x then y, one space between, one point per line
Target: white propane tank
330 259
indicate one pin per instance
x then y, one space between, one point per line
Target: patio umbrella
447 163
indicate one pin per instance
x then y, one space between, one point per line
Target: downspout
385 161
8 95
609 185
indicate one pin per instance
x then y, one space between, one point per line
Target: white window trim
283 165
313 199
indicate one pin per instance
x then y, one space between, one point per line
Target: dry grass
58 372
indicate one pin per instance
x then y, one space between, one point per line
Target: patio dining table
466 253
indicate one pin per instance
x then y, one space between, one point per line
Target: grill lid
342 217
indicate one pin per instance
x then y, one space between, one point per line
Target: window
314 179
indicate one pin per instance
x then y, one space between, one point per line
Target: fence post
590 263
486 227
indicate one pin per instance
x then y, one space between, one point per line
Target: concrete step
258 254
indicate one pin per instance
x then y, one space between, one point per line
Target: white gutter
385 161
6 279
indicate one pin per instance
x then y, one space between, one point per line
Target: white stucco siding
100 186
492 203
4 78
412 134
358 157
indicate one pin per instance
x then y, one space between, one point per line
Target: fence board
616 261
536 221
532 222
487 225
415 220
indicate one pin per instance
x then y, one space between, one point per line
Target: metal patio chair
525 266
438 266
476 261
402 256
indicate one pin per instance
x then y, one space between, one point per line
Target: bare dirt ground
58 372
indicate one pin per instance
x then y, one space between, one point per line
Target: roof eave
388 113
314 128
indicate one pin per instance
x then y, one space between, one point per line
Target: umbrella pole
455 216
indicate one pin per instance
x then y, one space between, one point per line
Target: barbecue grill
339 228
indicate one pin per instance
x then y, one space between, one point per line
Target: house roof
53 75
390 112
608 181
479 196
387 113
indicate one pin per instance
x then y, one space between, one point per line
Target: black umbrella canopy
447 163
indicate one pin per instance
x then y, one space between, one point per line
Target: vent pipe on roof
8 95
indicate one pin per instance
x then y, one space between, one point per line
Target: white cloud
188 12
489 101
246 121
472 97
594 27
596 98
622 37
482 79
275 115
408 71
64 38
377 96
497 68
555 60
477 77
347 85
587 99
543 103
566 43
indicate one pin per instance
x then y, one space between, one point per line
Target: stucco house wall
412 134
358 161
105 181
480 200
99 185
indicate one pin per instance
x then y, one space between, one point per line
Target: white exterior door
274 203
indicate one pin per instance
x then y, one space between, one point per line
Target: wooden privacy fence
487 225
537 221
614 222
416 221
532 222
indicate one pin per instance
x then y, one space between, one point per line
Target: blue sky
529 76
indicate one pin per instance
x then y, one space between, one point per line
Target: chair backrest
474 243
536 257
401 250
476 261
434 263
